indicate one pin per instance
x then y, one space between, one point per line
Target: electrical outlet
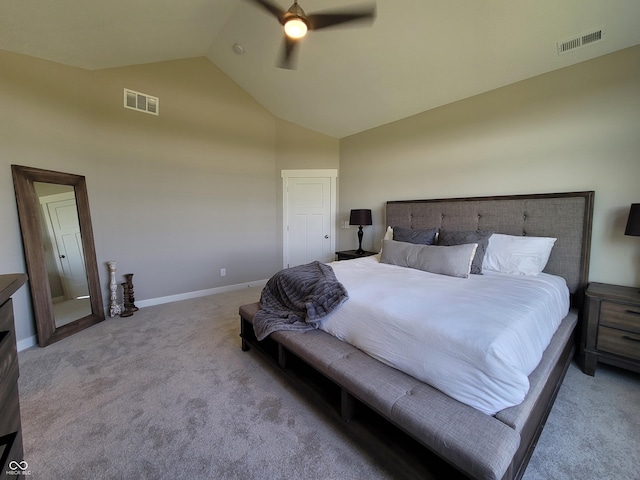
223 272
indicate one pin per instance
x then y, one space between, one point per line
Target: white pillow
388 235
517 254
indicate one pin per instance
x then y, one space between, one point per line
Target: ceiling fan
297 23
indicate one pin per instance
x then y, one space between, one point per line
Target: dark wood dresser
612 328
10 427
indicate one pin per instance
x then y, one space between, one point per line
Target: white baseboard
31 341
199 293
26 343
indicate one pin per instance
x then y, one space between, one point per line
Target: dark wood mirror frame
28 213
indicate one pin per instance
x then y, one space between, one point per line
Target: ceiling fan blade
324 20
289 54
271 8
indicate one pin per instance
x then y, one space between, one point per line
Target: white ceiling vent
580 41
141 102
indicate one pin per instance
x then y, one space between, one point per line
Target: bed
423 431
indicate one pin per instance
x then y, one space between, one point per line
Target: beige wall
173 198
573 129
298 148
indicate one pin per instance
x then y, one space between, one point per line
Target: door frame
332 174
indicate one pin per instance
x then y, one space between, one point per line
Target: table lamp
360 217
633 222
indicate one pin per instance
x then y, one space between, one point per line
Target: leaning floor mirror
53 208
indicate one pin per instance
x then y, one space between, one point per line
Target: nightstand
611 328
351 254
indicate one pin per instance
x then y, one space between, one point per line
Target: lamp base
359 251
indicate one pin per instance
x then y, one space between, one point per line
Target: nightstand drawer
619 315
619 342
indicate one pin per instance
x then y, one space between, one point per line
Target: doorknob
326 236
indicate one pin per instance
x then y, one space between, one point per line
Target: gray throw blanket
297 298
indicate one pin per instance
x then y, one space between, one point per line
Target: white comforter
476 339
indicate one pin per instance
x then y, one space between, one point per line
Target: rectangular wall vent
141 102
580 41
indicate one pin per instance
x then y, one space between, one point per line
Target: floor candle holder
131 298
127 312
114 307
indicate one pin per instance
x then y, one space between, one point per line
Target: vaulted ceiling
417 55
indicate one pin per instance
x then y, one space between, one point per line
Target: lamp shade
633 222
360 217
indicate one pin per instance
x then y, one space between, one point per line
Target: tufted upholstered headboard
565 216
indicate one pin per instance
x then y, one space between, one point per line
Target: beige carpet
168 393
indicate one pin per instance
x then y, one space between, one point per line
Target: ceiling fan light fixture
296 24
295 28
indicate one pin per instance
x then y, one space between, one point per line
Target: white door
309 216
63 221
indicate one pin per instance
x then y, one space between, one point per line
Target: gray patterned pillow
410 235
460 237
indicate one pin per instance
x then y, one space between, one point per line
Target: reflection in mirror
57 235
63 252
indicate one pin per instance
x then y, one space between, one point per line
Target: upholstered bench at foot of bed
477 444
